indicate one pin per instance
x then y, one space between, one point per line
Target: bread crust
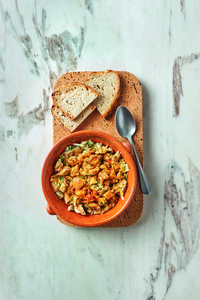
53 95
62 125
112 107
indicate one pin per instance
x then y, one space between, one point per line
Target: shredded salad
90 177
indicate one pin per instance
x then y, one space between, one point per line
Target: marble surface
156 258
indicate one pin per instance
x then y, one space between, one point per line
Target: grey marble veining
159 256
177 80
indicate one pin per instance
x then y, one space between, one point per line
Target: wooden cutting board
131 97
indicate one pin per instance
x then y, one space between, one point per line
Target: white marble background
158 257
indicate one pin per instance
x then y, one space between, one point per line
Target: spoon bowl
125 122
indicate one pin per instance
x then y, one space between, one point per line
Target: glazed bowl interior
59 206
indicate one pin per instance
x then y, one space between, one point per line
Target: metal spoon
126 127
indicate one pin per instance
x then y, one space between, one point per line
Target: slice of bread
73 99
66 122
107 84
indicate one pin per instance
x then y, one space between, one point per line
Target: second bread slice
66 122
74 98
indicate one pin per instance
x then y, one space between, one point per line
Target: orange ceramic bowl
55 206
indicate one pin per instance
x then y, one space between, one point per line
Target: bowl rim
80 134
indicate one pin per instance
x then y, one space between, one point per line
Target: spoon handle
144 182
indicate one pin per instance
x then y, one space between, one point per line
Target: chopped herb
86 205
62 159
89 143
125 176
69 148
87 162
124 168
85 177
61 178
81 177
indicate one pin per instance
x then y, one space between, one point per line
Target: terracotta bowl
55 206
